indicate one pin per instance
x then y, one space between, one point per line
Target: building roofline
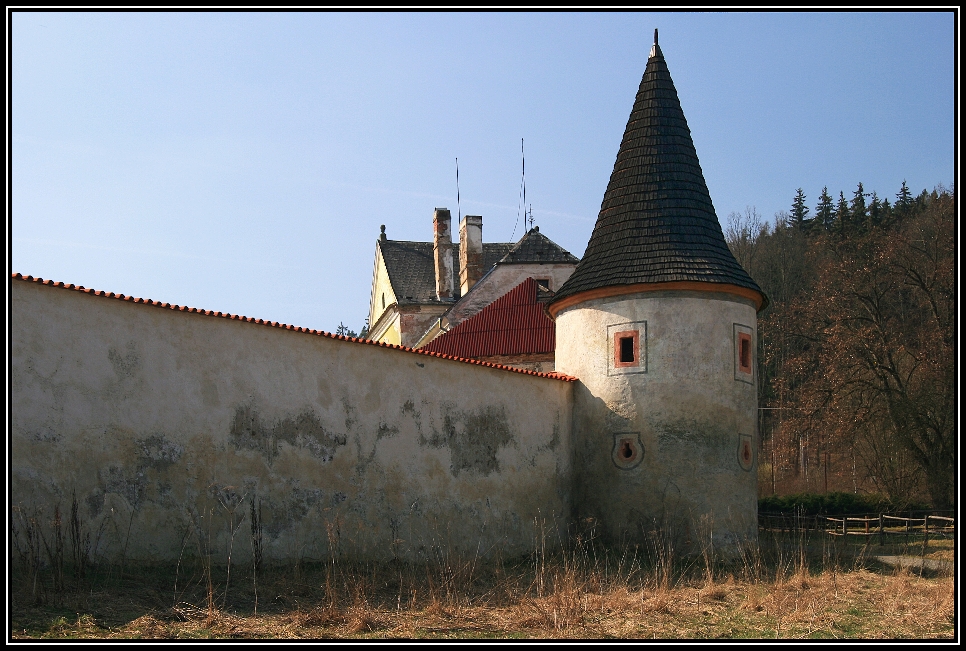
284 326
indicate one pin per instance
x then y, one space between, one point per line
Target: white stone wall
688 408
165 424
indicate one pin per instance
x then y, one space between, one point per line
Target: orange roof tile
276 324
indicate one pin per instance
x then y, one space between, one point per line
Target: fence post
845 520
881 531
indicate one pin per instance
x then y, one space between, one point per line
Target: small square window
626 349
744 353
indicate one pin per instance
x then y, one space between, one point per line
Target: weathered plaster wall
539 362
414 320
166 424
690 410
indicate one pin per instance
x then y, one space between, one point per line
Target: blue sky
243 162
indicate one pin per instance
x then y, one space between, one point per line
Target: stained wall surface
667 444
166 425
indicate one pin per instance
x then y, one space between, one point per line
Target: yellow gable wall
382 290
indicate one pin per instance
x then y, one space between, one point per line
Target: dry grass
585 594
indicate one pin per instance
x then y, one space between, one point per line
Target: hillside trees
857 348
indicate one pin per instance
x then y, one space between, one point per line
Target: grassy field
787 588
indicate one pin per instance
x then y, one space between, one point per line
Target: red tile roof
276 324
513 324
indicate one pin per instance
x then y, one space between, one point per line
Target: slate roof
276 324
412 270
513 324
656 222
536 247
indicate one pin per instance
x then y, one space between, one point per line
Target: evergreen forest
856 347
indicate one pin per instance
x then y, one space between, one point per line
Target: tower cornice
755 297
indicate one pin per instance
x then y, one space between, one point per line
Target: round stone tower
659 323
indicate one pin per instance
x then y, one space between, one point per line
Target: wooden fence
883 525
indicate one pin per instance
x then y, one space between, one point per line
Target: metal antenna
459 214
521 199
523 159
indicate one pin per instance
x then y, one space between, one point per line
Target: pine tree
859 213
888 213
800 211
824 212
903 201
842 216
875 211
904 198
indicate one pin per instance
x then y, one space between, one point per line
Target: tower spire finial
655 36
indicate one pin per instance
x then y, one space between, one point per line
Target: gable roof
537 247
656 223
412 269
515 323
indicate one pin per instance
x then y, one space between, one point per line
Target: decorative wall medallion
746 452
628 450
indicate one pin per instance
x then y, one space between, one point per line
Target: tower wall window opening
744 352
626 350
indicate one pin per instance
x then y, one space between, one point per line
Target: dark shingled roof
656 222
535 247
412 270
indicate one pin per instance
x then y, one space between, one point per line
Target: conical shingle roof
656 223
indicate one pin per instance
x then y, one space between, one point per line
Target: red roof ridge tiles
276 324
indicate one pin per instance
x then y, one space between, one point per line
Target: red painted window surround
744 352
626 334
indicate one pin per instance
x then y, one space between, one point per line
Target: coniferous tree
904 197
800 211
875 211
842 216
886 212
859 213
824 211
903 201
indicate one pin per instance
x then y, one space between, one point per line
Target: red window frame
632 334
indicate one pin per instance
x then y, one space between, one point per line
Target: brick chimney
443 254
471 252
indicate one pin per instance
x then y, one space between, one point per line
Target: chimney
443 253
471 252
